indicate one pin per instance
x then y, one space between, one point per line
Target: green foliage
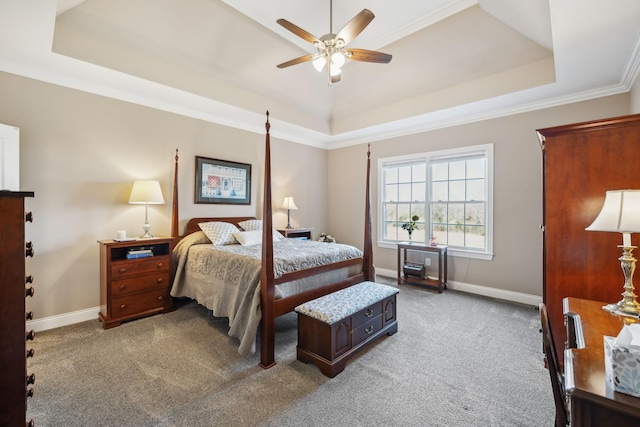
411 225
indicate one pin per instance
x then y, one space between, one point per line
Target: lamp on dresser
146 193
289 205
621 213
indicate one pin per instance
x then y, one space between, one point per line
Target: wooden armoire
580 163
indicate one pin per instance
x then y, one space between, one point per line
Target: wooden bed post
174 207
368 269
267 279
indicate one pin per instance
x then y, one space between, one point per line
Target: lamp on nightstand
146 193
289 205
621 213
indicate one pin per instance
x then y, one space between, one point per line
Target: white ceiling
454 61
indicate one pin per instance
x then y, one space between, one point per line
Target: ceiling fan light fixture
334 70
319 62
337 59
330 46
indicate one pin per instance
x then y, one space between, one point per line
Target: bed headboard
192 224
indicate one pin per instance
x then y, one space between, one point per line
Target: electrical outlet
427 262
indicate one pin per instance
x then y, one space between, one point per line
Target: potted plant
411 225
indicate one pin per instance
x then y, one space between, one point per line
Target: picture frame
222 182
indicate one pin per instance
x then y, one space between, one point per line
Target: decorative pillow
220 233
249 237
256 224
251 224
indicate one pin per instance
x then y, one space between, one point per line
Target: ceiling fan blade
354 27
297 61
367 56
298 31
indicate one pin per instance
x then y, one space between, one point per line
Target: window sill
458 253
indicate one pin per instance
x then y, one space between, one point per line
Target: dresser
136 287
580 163
15 287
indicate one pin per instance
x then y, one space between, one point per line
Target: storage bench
333 327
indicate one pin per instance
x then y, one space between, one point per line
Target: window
451 194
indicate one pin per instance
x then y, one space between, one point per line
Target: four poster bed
254 283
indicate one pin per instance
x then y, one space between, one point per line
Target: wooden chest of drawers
330 344
15 381
133 288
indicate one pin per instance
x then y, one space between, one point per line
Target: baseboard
92 313
65 319
503 294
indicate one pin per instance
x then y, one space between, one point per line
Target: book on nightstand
139 253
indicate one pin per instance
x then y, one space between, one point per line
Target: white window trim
488 148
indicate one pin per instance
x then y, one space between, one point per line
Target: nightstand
296 233
137 287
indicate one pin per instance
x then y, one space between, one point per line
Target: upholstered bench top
343 303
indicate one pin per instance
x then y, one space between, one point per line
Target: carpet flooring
457 360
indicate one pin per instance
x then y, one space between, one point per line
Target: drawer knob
29 250
28 279
123 306
123 287
30 352
30 335
159 265
159 279
28 217
123 270
369 312
31 379
29 292
30 423
29 315
160 298
30 392
369 329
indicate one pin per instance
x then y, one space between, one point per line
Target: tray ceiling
453 61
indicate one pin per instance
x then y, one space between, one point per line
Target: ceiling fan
332 50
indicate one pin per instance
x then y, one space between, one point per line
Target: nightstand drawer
139 303
137 266
133 285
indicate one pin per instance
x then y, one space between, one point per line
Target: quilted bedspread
226 279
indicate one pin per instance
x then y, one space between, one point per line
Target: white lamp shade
146 193
289 204
337 59
620 212
319 62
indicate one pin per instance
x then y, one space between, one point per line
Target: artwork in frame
222 182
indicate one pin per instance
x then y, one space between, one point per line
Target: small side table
441 250
296 233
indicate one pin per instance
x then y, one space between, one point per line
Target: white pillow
249 237
220 233
256 224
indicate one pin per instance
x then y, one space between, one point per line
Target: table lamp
289 205
621 213
146 193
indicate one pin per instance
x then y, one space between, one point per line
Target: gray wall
517 264
80 154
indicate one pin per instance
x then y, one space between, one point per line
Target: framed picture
222 182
